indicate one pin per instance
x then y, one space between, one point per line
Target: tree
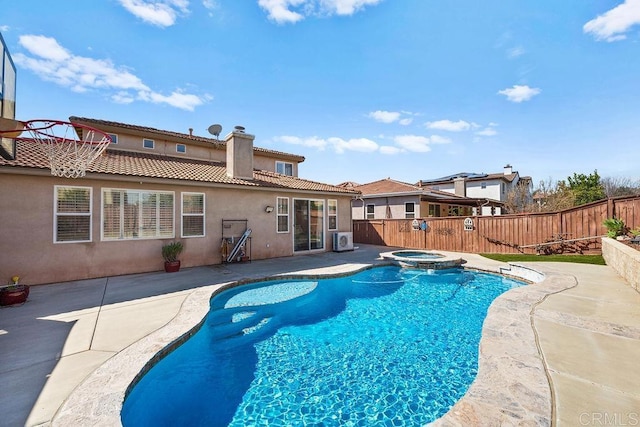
586 188
615 187
519 198
553 196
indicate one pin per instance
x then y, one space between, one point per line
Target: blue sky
364 89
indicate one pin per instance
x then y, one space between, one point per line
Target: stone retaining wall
623 259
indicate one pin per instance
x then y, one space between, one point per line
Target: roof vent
239 129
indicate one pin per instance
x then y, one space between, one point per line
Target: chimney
190 132
239 154
508 170
460 187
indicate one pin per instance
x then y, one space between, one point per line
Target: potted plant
170 253
14 292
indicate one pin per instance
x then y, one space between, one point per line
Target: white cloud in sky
4 28
403 143
278 10
488 131
162 13
52 62
392 117
210 5
384 116
414 143
292 11
339 145
519 93
437 139
612 25
449 125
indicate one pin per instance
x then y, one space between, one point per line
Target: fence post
611 208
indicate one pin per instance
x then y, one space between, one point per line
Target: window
284 168
114 138
504 188
193 215
370 211
148 143
72 222
333 214
137 214
483 185
283 214
409 210
181 148
434 210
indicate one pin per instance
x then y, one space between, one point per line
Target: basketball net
70 147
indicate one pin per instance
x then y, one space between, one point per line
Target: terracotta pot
14 295
171 266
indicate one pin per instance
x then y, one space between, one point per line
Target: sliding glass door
308 225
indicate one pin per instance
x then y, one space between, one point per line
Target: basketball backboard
7 98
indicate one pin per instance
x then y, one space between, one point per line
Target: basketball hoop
70 147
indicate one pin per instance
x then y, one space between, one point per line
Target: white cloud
162 13
292 11
339 145
612 25
392 117
278 10
414 143
489 131
448 125
347 7
4 28
357 144
519 93
313 141
54 63
384 116
437 139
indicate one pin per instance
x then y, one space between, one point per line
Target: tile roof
133 164
108 126
387 186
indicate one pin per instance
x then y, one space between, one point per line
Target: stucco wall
623 259
27 218
386 207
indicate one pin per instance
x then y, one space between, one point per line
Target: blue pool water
385 346
417 255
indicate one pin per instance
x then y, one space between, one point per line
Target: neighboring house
151 187
391 199
495 187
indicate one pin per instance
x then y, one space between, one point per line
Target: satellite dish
215 130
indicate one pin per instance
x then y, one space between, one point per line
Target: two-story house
495 187
391 199
154 186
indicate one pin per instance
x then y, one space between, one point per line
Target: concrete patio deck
586 333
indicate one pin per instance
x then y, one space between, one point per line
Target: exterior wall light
268 209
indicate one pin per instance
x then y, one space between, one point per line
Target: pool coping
512 385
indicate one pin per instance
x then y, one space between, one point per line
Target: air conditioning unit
342 241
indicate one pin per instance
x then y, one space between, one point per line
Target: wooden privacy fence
576 230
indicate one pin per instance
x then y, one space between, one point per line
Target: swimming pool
386 345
